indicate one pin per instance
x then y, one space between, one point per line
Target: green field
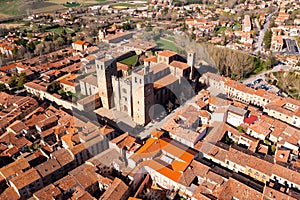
59 30
130 61
20 7
165 44
11 8
71 5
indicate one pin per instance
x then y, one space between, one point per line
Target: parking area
290 46
261 84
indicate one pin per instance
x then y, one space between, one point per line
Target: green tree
13 81
15 51
126 26
53 87
72 18
64 32
240 129
267 39
60 41
271 62
22 80
2 87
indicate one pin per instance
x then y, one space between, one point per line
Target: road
263 31
261 75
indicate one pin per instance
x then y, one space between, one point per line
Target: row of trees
268 39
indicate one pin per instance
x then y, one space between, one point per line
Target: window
135 79
124 90
140 81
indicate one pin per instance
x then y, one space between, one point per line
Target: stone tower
191 60
142 95
101 35
106 67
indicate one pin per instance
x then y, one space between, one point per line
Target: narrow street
263 31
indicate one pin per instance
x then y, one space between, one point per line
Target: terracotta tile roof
213 151
26 178
35 86
79 42
235 189
204 113
270 193
84 196
117 35
121 66
66 183
279 109
47 133
63 156
16 167
9 193
165 81
237 157
48 167
261 128
153 146
157 133
167 53
260 165
201 103
106 130
213 177
213 76
10 138
214 100
48 193
158 67
162 169
116 191
46 122
282 155
85 175
127 141
89 99
179 64
286 173
151 59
